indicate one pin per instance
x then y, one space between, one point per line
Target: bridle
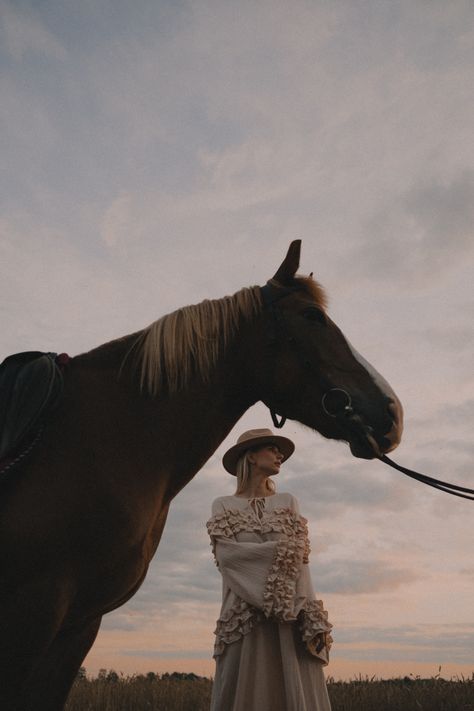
336 402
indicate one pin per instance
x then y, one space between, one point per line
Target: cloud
448 337
116 221
125 620
421 233
23 32
431 642
330 480
444 216
160 654
457 412
355 577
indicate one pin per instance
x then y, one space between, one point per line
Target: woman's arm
244 566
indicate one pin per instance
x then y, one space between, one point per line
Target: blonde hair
244 470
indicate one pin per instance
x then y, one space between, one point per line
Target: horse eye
314 314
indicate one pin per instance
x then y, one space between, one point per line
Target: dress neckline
251 498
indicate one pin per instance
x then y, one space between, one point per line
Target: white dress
272 635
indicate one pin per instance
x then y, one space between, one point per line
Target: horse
139 417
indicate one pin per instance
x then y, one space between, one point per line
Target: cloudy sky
157 153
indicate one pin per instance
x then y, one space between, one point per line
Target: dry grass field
181 692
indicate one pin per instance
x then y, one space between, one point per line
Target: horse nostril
394 433
392 410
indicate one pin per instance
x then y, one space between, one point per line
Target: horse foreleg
30 618
54 674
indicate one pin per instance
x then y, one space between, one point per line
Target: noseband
337 402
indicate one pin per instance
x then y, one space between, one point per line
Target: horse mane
313 289
189 341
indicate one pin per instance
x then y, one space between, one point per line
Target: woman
272 636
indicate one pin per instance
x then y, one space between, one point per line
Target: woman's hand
321 637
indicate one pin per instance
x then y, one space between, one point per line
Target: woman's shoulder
224 499
285 495
288 501
220 504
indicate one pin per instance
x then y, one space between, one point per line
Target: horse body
81 523
84 529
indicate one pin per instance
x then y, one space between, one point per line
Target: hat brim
232 456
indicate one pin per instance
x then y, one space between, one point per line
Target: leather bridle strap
271 293
453 489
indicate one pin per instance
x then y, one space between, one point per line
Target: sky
155 154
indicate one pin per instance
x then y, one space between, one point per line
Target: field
186 692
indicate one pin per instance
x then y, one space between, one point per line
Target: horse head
311 373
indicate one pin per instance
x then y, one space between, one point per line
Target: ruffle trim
237 622
281 520
315 628
280 587
312 623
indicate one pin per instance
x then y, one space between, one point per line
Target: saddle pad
30 385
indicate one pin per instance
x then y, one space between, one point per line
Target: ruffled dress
273 636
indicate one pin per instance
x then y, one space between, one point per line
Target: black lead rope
337 403
453 489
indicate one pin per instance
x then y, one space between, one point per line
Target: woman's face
266 459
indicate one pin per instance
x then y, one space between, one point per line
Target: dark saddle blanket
31 383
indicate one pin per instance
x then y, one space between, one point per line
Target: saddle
31 384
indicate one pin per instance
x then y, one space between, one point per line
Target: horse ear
290 264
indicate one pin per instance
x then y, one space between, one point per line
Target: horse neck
172 435
199 419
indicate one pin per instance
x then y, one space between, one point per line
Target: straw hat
254 438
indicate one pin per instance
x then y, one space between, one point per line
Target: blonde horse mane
189 341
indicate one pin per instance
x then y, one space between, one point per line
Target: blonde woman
272 635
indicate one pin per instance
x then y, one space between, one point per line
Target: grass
187 692
402 694
113 692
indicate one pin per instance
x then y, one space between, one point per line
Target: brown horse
139 418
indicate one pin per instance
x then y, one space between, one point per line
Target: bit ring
345 410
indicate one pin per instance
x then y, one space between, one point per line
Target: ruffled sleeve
295 508
244 566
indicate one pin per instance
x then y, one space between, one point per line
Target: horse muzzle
361 436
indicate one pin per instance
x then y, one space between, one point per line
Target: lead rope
453 489
343 409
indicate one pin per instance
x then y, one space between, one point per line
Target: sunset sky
158 153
